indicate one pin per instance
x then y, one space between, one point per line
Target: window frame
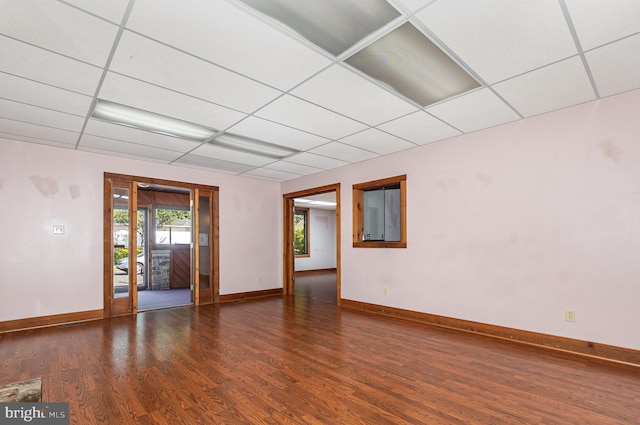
358 212
307 244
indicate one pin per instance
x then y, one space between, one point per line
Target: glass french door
121 241
204 267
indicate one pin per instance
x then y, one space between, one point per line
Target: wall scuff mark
47 186
74 190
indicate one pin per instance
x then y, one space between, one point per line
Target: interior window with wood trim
379 213
301 232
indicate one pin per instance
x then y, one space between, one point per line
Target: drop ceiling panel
258 128
598 23
139 94
274 175
9 127
343 152
474 111
40 116
302 115
317 161
499 39
146 60
123 155
290 167
239 42
40 65
414 5
614 69
420 128
341 90
133 135
59 28
225 154
112 10
38 94
546 89
212 164
47 142
111 145
377 141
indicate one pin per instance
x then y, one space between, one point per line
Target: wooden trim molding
53 320
226 298
558 343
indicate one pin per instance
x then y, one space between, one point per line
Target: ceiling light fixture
259 147
407 61
334 25
150 121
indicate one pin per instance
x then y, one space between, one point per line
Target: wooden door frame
108 233
288 265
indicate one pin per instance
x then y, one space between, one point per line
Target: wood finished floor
302 360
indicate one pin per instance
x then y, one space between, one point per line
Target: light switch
58 229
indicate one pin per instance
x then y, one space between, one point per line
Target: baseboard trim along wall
53 320
579 347
226 298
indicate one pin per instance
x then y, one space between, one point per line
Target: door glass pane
392 215
203 241
143 231
373 215
121 242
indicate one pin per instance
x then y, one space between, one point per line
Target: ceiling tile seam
44 84
356 147
30 139
135 143
28 43
373 152
39 125
193 55
105 69
382 85
40 138
102 18
380 130
576 40
457 59
176 92
608 43
271 169
373 36
283 29
41 107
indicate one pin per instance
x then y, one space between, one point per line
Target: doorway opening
312 243
161 244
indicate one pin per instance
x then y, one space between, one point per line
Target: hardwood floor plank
303 360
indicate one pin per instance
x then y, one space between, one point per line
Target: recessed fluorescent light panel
334 25
414 66
259 147
149 121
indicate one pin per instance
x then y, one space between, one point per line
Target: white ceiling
223 65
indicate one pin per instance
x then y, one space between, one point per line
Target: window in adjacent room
173 226
379 213
301 232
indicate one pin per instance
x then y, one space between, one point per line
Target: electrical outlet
385 290
260 279
570 315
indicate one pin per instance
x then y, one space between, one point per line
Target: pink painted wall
513 225
44 274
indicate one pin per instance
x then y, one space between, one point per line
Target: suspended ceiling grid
224 65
